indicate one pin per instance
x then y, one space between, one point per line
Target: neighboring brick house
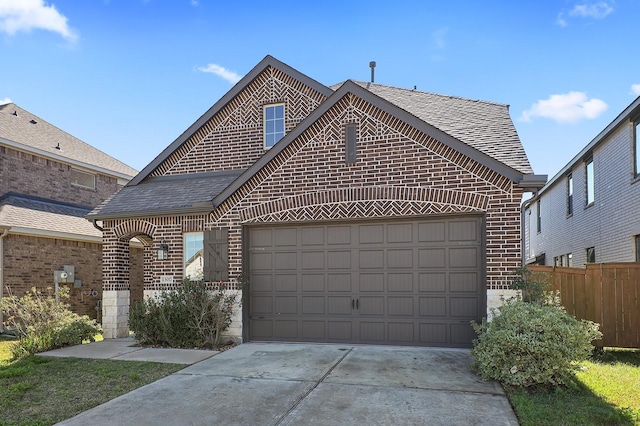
588 212
50 180
356 213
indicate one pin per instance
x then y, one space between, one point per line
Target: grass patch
43 391
605 392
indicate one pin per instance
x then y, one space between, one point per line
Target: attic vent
350 144
33 121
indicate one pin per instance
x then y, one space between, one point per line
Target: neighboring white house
590 211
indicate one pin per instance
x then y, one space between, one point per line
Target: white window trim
184 251
264 123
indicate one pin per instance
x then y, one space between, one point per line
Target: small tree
41 324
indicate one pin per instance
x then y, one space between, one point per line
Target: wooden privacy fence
606 293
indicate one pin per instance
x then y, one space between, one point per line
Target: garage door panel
340 331
433 306
433 333
369 283
286 283
338 235
340 305
313 283
432 258
286 261
339 259
371 234
368 305
313 305
405 282
400 306
262 282
312 236
400 283
464 307
464 257
430 232
467 230
285 305
401 332
371 259
464 282
400 258
262 304
372 332
433 282
261 262
313 330
284 237
339 283
286 329
400 233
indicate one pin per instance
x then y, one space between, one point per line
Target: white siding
609 224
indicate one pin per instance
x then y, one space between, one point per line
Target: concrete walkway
314 384
126 349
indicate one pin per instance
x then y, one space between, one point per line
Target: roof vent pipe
372 64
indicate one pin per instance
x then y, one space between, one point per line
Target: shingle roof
485 126
20 126
37 214
154 195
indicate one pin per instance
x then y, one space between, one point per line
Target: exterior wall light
163 251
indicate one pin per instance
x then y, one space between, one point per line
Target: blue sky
129 76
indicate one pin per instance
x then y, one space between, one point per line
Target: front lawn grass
42 391
605 392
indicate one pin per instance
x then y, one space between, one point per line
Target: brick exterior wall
29 261
399 172
609 224
38 176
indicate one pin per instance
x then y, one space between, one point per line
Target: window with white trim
273 124
193 256
591 255
636 148
83 179
569 195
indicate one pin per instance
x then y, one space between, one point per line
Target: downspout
4 234
98 227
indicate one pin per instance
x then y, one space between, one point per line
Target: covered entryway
397 282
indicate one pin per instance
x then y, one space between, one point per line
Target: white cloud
26 15
439 38
597 10
5 101
230 76
594 10
566 108
635 89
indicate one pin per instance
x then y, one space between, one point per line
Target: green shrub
41 324
532 345
190 316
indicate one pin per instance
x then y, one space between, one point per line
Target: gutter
5 231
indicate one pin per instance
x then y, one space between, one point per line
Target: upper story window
538 217
569 195
83 179
591 255
636 148
637 238
273 124
589 182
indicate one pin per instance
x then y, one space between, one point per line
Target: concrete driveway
309 384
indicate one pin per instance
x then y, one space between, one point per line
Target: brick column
116 290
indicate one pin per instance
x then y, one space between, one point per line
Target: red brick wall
37 176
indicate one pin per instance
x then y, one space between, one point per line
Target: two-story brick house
352 213
588 212
50 180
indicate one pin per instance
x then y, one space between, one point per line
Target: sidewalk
125 349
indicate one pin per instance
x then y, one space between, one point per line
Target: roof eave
222 102
196 209
63 159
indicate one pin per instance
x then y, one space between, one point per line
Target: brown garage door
417 282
